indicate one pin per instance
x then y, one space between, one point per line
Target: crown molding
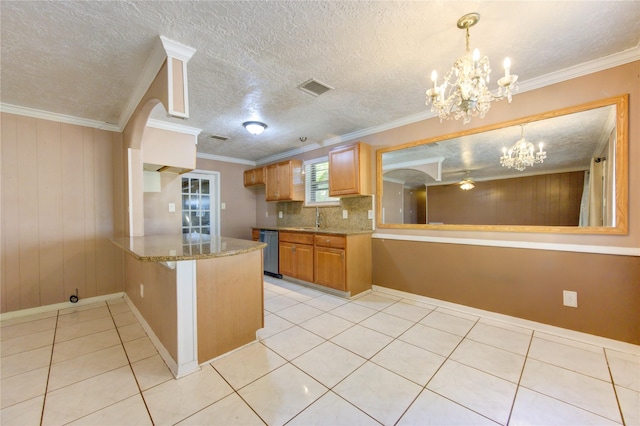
177 50
173 127
225 159
291 153
580 70
62 118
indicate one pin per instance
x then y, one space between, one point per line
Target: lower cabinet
296 255
341 262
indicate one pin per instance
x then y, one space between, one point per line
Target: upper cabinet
284 181
254 177
350 170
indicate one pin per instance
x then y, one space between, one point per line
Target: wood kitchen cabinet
296 255
343 262
350 170
254 177
284 181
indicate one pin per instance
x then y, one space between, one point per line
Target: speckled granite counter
336 231
170 248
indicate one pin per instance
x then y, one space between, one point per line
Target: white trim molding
59 306
578 248
225 159
173 127
60 118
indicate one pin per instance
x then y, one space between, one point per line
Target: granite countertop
171 248
310 229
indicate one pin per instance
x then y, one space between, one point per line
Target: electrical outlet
266 214
345 214
223 206
370 214
141 290
280 215
570 298
172 207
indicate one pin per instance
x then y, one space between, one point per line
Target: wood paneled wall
61 202
547 200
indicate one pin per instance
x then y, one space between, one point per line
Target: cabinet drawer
332 241
296 237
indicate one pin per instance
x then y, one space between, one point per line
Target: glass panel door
200 210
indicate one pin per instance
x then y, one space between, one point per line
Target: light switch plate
280 215
370 214
172 207
570 298
345 214
223 206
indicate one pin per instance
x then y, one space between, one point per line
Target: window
200 211
317 183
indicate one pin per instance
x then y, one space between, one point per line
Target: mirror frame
621 179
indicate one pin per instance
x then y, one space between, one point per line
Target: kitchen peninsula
197 297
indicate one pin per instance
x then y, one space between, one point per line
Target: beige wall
157 218
239 215
520 282
62 188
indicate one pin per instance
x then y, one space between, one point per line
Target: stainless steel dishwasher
270 252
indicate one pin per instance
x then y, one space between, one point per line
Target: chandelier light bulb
507 67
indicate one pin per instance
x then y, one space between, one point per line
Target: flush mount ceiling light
464 92
466 183
254 127
521 154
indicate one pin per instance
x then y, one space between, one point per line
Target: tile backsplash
296 214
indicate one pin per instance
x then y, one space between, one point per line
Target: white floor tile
331 410
409 311
139 349
24 413
328 363
299 313
532 408
279 303
273 324
23 387
131 411
387 324
84 328
362 341
124 318
151 371
378 392
27 328
83 367
243 366
501 363
326 325
88 396
431 409
26 343
481 392
630 405
79 308
131 332
326 302
85 345
431 339
175 400
576 389
13 365
82 316
27 318
625 369
453 324
502 338
411 362
376 301
353 312
579 360
292 342
282 394
229 411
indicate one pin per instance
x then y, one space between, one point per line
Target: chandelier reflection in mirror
464 92
521 155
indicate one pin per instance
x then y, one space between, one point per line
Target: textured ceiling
84 59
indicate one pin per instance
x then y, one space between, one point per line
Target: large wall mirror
576 183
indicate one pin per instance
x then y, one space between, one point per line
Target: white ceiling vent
314 87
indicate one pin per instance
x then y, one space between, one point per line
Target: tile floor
319 360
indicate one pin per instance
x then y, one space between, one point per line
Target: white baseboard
178 371
58 306
519 322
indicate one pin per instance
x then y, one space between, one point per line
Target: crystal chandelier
521 155
464 92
